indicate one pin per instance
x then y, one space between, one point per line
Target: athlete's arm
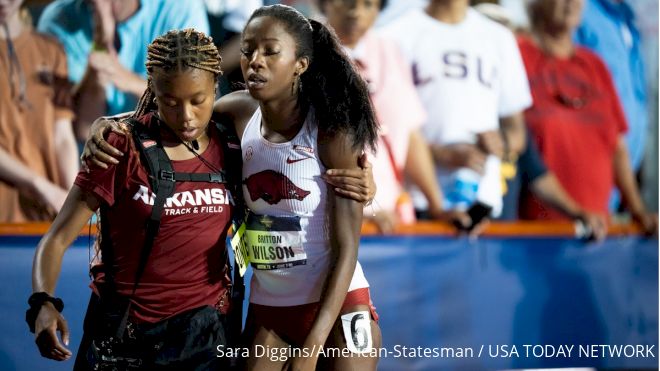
97 151
345 216
75 213
358 184
237 107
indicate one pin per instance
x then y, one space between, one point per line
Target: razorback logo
273 187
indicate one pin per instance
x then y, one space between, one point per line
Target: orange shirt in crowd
27 130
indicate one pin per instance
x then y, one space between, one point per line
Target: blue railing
502 301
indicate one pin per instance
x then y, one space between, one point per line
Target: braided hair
176 51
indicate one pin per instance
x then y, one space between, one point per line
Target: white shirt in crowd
237 12
468 75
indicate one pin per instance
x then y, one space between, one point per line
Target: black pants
187 341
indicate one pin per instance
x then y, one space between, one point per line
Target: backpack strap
233 156
233 169
162 178
149 144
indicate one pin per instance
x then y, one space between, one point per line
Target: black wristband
36 301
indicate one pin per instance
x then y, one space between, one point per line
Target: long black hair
331 84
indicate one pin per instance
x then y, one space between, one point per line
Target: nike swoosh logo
289 160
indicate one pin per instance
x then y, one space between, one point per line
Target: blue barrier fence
444 303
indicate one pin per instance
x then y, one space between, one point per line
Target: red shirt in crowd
576 121
185 267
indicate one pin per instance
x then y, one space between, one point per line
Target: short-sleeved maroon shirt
185 267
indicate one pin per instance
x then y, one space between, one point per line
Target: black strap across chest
163 179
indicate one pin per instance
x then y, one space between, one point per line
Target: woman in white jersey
306 109
313 113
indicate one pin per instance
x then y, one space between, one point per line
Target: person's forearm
548 189
439 154
67 152
47 263
421 170
345 219
625 180
515 137
442 155
89 104
133 84
15 173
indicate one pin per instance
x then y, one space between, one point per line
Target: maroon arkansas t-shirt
185 267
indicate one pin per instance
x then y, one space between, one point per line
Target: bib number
274 242
357 331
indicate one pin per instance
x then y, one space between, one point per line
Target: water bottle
461 189
490 185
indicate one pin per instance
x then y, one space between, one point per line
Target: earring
154 100
296 81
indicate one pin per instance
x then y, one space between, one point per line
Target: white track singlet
287 233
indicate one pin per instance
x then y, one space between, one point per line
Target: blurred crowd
535 109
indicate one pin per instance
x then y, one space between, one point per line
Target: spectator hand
459 155
97 151
111 71
48 323
491 142
357 184
385 221
596 223
461 220
47 193
648 222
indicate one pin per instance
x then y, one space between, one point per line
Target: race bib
357 331
239 245
274 242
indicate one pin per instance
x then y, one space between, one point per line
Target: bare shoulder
235 102
237 107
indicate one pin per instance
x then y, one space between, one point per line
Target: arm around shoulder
237 107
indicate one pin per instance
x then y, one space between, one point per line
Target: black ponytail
339 95
331 84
